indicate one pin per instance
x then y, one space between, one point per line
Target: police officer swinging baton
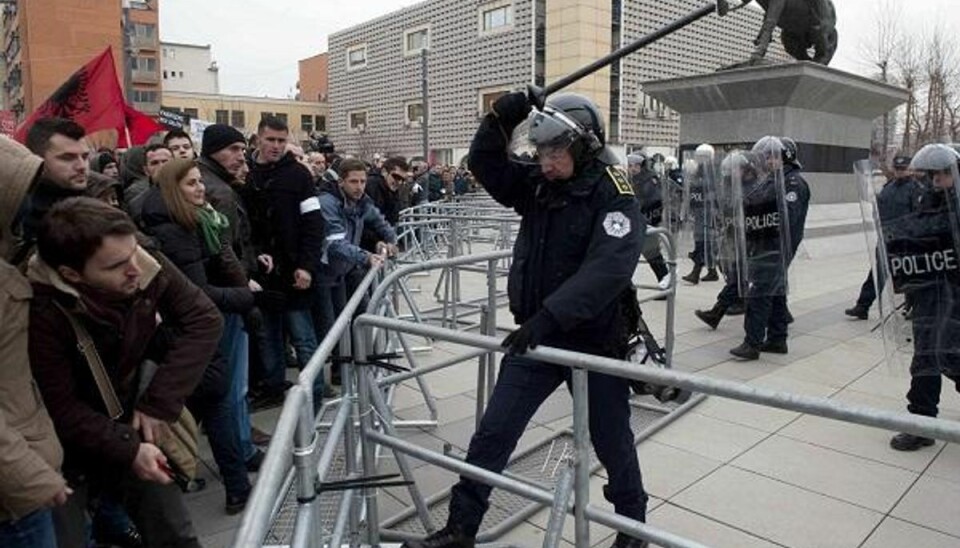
538 95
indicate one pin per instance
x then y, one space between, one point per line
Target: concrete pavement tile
704 530
947 463
894 533
860 481
834 366
800 347
767 419
779 381
668 470
738 370
709 437
555 407
527 536
932 502
449 409
777 511
223 539
702 357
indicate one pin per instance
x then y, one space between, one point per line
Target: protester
30 482
180 144
156 155
106 163
90 268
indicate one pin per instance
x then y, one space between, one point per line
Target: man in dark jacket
576 251
288 228
91 266
383 187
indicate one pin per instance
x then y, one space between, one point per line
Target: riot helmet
790 154
704 152
770 149
670 163
568 122
939 162
636 159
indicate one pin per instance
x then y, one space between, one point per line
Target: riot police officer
775 212
922 248
647 187
897 198
700 195
579 241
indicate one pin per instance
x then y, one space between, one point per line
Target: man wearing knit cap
30 482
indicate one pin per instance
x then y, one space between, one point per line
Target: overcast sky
257 42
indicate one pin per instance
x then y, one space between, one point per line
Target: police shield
701 215
674 207
766 220
917 261
735 172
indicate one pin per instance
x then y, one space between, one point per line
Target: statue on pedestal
805 25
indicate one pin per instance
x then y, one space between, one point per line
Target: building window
164 50
496 16
357 121
264 115
238 118
146 64
192 113
144 30
413 113
320 122
222 116
488 97
144 96
356 57
416 40
282 116
306 123
164 75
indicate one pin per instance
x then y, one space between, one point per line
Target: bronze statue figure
804 25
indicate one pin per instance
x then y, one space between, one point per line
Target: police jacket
646 186
798 203
898 198
922 245
578 244
286 220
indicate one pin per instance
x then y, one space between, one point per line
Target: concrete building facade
244 112
189 68
45 41
313 84
478 50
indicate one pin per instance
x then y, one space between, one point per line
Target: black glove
270 299
512 109
531 333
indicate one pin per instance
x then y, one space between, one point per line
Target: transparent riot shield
917 267
731 234
701 222
766 220
674 207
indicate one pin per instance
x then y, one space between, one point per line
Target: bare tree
879 52
908 62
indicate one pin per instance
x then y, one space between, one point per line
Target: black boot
624 541
449 537
858 312
711 317
711 276
736 309
773 347
694 276
746 352
909 442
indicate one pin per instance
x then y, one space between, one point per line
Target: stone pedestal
828 112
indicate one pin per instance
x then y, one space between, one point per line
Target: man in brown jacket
30 454
135 307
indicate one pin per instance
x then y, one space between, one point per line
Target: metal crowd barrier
363 423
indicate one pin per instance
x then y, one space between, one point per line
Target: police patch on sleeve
791 196
616 224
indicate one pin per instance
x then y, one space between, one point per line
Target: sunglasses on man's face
399 176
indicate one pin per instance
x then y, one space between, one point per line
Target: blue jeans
329 302
228 421
298 325
522 386
31 531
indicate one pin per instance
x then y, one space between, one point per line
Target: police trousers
523 384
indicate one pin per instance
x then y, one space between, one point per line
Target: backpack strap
89 350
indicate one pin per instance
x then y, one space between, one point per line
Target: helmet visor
551 130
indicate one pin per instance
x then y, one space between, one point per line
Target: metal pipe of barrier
329 448
581 463
254 523
406 375
364 388
621 523
343 517
823 407
558 511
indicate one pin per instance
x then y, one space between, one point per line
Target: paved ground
731 474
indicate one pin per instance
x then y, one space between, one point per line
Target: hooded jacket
124 332
224 198
30 453
346 223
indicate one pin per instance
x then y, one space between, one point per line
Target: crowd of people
169 285
173 285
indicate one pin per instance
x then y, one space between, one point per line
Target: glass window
237 118
358 120
497 17
144 30
414 113
222 116
416 40
357 56
306 123
190 112
320 122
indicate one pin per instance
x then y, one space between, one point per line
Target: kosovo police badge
616 224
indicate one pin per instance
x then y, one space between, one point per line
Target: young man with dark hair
156 155
135 307
383 187
288 229
180 144
65 170
30 481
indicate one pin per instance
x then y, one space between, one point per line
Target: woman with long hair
193 235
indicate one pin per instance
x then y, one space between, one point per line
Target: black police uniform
897 198
575 253
766 316
647 186
933 291
702 209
